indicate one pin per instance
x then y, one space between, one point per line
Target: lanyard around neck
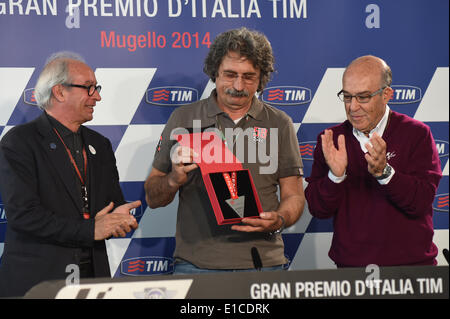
82 180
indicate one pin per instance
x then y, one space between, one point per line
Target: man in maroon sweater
377 175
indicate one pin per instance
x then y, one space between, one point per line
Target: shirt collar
62 130
381 126
214 109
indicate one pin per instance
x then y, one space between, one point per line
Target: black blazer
46 230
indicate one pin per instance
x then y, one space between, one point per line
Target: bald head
369 77
371 66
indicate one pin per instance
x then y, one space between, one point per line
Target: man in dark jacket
59 184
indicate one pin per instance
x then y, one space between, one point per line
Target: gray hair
386 75
55 72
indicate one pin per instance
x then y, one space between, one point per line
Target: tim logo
307 150
29 98
171 95
2 214
442 147
440 203
404 94
287 95
144 266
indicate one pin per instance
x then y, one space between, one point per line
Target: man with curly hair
240 63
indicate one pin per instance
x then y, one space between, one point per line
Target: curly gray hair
248 43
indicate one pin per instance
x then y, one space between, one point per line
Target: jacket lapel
57 156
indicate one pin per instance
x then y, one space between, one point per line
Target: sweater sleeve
413 187
322 194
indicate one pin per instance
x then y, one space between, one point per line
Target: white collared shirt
363 140
381 126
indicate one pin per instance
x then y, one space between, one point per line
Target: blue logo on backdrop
29 98
440 203
286 95
442 147
144 266
2 214
307 150
405 94
171 95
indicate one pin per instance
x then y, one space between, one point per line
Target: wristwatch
387 171
283 223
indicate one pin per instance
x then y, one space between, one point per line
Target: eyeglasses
248 78
361 98
91 88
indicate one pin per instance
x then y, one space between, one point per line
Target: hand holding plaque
182 164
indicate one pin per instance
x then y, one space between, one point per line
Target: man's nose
354 104
97 95
238 83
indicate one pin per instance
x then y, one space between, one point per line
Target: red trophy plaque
230 187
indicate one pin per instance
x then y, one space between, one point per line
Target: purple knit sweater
380 224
